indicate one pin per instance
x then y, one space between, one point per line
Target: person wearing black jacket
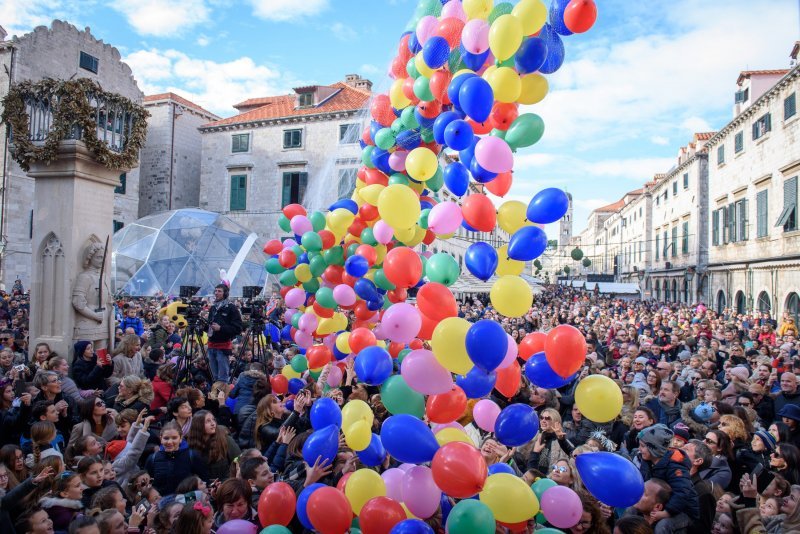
86 371
225 323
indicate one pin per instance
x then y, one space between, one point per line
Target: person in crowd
213 443
132 321
225 323
88 371
127 359
133 393
174 461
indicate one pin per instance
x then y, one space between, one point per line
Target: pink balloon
393 478
237 526
329 341
420 493
475 36
423 373
445 218
289 243
383 232
426 27
300 224
561 506
511 353
303 339
295 297
344 295
307 323
406 467
427 254
454 9
452 424
494 154
334 376
397 161
484 413
379 333
401 323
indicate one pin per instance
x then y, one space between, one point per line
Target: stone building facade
298 148
169 167
62 52
635 227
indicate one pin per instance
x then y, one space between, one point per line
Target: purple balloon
237 526
401 323
344 295
393 478
423 373
561 507
494 154
420 493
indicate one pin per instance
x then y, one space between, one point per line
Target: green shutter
715 227
238 192
301 187
674 241
768 122
685 243
657 243
286 193
789 106
761 213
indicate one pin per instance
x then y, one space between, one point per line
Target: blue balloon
374 454
295 385
542 375
486 343
413 43
408 139
501 468
366 289
339 354
424 122
480 174
456 178
468 154
516 425
597 469
373 365
408 439
527 243
476 98
555 50
467 227
547 206
412 526
531 55
289 405
455 87
302 503
436 52
473 61
481 260
441 123
556 17
273 332
374 128
380 158
322 443
477 383
325 412
446 505
375 305
458 135
346 203
356 266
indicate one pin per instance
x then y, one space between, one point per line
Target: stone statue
93 308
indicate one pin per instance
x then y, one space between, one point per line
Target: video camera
254 307
188 309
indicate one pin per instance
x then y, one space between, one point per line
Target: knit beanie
658 438
767 439
79 347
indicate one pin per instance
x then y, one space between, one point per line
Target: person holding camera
225 323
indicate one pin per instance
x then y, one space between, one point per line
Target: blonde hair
263 416
736 426
127 343
42 433
140 388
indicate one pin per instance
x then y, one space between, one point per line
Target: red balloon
395 348
329 511
446 407
430 110
415 344
356 227
343 481
333 274
361 311
361 338
503 114
515 527
284 290
565 350
403 51
438 84
366 136
318 356
398 69
480 128
276 504
372 177
450 29
381 110
379 515
531 344
369 253
436 301
328 239
279 384
368 212
500 185
479 212
322 311
459 470
397 295
580 15
287 258
408 90
273 246
426 332
290 210
403 267
508 380
429 238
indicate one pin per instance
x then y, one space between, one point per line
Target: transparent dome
190 247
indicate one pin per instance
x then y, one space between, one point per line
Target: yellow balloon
509 498
488 72
327 325
396 96
533 89
371 193
506 84
505 36
404 234
511 296
358 435
398 206
363 485
356 410
340 218
507 266
416 239
421 164
380 249
417 187
598 398
409 515
448 345
463 71
342 342
532 14
478 9
289 373
423 67
303 273
449 434
512 216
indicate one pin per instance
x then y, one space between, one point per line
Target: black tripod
254 339
191 347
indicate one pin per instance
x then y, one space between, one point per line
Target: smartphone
757 470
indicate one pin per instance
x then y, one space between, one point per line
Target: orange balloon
361 338
329 511
500 185
426 332
379 515
565 350
480 128
369 253
290 210
450 29
438 84
459 470
508 380
436 301
446 407
479 212
531 344
503 114
402 267
397 295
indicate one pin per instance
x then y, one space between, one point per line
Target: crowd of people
127 442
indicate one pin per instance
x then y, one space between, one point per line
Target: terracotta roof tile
179 99
704 136
614 206
347 98
768 72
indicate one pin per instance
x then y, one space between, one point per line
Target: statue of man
93 318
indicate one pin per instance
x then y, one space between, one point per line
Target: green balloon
525 131
411 68
382 282
542 485
398 178
498 133
422 89
351 250
586 262
315 374
276 529
368 237
311 241
384 138
423 218
283 222
324 296
442 268
288 278
299 363
470 517
311 286
273 266
318 221
541 520
397 126
334 255
317 265
436 182
386 302
296 318
366 157
403 353
499 10
507 63
398 397
426 134
298 250
408 118
431 8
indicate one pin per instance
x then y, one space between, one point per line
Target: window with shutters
789 106
348 133
788 216
240 142
123 184
347 182
685 238
732 227
723 222
686 180
88 62
293 138
762 228
715 227
675 188
294 187
738 142
742 220
658 241
674 243
305 100
762 126
720 154
238 192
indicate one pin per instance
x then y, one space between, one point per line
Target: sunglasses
99 403
559 469
547 418
711 441
776 454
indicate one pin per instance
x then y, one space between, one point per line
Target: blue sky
631 92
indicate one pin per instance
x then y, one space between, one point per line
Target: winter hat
740 372
790 411
681 432
684 355
767 439
80 346
658 439
641 359
113 448
704 411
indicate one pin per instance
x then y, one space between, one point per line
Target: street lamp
641 274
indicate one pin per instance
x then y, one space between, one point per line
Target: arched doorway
764 303
721 301
740 302
675 291
793 306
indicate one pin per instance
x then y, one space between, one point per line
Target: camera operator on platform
225 323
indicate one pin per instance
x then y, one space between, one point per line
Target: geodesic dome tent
189 247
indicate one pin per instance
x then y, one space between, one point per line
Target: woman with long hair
269 417
14 459
735 428
63 503
127 359
162 386
135 393
592 520
785 459
565 473
43 433
551 444
195 518
14 416
95 421
213 443
722 449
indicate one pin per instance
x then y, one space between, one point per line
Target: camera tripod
191 347
252 338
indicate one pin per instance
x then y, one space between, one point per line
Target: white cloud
343 32
592 203
163 17
370 70
203 40
21 16
638 169
286 10
696 124
529 161
659 140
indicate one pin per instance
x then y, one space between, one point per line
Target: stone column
73 213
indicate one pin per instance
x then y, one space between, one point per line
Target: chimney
354 80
